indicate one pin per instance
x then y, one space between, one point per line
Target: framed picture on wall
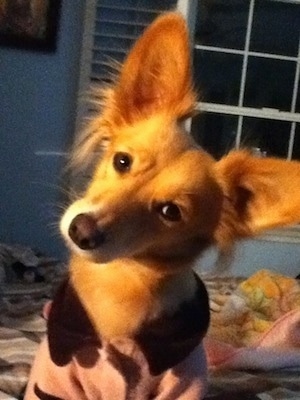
29 24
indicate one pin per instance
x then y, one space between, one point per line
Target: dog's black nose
84 232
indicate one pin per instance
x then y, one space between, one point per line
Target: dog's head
155 194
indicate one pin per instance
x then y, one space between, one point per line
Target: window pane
154 4
118 27
267 135
215 132
126 13
296 149
109 56
146 4
298 101
113 41
102 71
222 23
217 76
270 83
276 27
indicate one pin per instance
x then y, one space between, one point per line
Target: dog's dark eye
122 162
169 211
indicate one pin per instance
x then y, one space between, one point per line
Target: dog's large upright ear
156 77
157 73
259 194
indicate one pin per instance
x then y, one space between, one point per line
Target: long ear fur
260 194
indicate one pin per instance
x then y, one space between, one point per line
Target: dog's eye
122 162
169 211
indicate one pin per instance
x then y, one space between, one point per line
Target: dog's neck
136 291
179 258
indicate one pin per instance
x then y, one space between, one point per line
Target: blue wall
37 111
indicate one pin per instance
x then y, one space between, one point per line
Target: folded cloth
259 325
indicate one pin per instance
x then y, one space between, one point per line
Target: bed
28 280
22 327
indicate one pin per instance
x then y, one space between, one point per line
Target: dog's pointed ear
157 72
259 194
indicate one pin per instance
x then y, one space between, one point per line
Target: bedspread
282 384
27 280
254 306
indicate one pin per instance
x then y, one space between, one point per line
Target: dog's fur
145 219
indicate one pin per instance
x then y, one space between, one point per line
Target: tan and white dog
129 322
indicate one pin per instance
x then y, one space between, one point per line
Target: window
246 56
247 67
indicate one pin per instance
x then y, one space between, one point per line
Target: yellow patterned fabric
254 306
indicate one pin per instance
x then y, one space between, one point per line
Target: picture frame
29 24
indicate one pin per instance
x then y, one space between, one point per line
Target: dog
129 321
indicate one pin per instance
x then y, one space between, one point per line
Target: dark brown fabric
69 328
170 339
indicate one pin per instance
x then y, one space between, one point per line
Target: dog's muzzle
85 233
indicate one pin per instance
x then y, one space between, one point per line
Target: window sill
285 235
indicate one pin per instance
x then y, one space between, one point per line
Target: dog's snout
85 233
